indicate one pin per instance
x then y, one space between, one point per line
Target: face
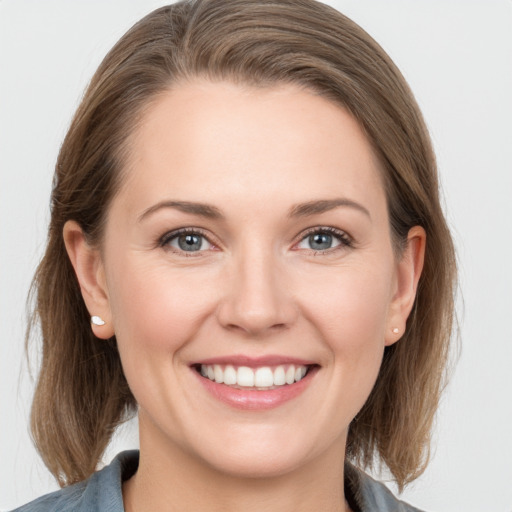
249 276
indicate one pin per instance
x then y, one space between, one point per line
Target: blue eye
189 241
324 239
321 241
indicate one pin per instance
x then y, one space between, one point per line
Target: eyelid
346 240
163 241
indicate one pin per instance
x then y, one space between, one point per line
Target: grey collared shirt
102 492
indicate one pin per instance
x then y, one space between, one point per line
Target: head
303 47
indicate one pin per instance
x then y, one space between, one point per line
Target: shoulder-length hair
82 393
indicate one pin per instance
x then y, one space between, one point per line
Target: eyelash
345 240
165 239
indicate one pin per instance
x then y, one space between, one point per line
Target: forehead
221 141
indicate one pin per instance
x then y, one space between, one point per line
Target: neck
175 480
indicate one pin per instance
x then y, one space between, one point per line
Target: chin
260 466
263 453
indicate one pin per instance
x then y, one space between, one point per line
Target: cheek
156 308
347 309
156 312
351 311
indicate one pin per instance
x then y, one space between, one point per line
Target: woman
246 247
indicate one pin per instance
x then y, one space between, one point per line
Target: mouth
255 384
261 378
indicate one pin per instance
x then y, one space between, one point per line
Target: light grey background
457 56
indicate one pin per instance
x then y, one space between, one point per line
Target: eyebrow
201 209
211 212
325 205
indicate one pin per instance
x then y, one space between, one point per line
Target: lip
254 362
252 399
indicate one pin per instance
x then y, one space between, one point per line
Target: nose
256 299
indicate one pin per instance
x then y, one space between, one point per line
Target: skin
256 288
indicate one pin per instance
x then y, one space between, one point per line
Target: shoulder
62 500
369 495
102 491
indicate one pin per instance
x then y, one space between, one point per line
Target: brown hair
82 394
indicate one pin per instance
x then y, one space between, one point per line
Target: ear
408 272
86 261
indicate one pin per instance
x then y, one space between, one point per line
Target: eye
186 241
323 239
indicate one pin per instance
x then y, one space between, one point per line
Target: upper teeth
262 377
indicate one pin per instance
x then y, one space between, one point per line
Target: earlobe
408 273
88 266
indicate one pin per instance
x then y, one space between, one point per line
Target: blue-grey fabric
102 492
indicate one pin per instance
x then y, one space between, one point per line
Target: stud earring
97 320
396 330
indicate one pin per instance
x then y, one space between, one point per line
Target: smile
261 378
255 384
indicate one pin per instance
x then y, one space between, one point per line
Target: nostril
256 305
255 329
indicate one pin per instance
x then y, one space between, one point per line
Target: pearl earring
97 320
396 330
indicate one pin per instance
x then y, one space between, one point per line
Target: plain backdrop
457 57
